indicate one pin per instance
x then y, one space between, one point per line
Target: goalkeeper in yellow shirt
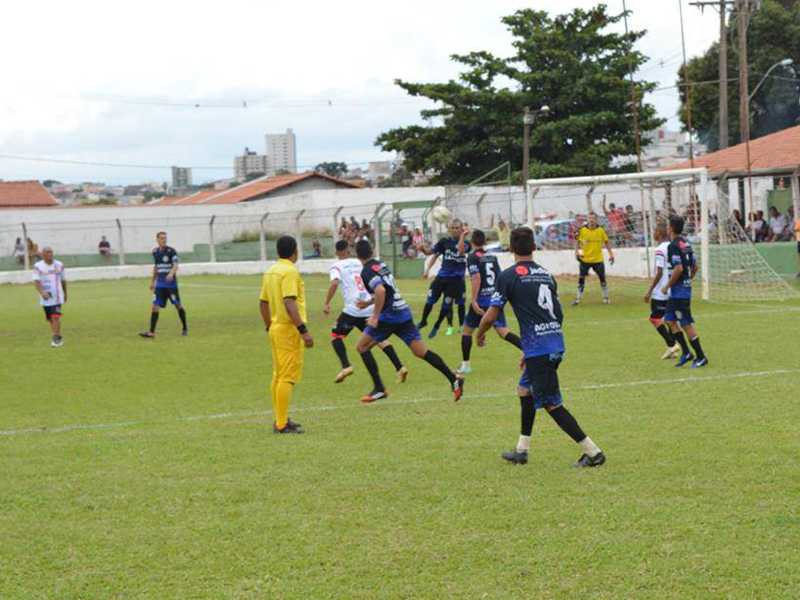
589 252
283 309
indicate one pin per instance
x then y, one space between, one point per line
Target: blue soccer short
473 319
406 331
679 309
162 294
541 378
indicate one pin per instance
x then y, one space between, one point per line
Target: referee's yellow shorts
287 353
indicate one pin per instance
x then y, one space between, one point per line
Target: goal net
634 210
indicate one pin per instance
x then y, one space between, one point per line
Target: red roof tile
776 151
23 194
251 190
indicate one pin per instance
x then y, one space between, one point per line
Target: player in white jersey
51 283
657 298
346 274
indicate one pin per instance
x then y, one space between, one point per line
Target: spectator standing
737 216
616 221
19 251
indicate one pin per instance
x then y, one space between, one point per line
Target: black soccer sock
462 311
698 349
513 339
389 351
681 339
426 311
446 312
153 321
182 315
665 333
372 367
527 415
466 347
437 363
581 284
568 424
341 351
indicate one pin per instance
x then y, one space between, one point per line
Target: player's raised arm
461 245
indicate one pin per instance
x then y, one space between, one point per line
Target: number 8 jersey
533 295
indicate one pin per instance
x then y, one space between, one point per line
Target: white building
379 170
250 163
667 148
282 152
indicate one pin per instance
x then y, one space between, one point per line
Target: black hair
522 243
676 224
161 233
286 246
478 237
363 249
341 246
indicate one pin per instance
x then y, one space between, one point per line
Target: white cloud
297 54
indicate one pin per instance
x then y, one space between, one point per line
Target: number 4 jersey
533 295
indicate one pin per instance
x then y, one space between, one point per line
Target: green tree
773 35
334 169
571 63
253 175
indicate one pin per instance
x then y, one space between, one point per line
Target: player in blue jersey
449 280
533 295
391 315
682 269
164 284
483 271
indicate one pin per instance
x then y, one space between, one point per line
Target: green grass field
147 469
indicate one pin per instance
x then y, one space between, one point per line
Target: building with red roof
25 194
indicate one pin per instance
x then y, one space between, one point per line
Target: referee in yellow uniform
283 309
589 251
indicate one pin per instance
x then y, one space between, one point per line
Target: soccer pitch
147 468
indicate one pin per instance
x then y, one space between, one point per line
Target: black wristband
302 328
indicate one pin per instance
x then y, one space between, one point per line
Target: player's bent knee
523 392
656 321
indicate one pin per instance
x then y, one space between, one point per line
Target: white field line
409 401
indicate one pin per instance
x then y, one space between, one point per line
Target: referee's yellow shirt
282 280
591 241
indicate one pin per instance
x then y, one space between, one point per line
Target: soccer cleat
671 352
606 301
290 427
586 461
576 302
147 334
374 397
57 342
685 358
402 374
343 374
515 457
184 332
699 363
449 331
458 388
432 333
465 368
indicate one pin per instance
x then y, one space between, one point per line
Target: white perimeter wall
630 262
78 230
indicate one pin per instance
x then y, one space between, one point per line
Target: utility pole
688 85
722 5
742 23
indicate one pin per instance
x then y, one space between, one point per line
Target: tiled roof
776 151
22 194
251 190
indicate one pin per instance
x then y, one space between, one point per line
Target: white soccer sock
589 447
605 291
524 443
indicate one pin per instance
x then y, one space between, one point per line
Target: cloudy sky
116 82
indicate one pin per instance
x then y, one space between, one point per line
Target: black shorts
162 295
541 378
52 311
346 323
599 268
679 309
451 287
657 308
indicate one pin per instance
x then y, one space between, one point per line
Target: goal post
635 205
